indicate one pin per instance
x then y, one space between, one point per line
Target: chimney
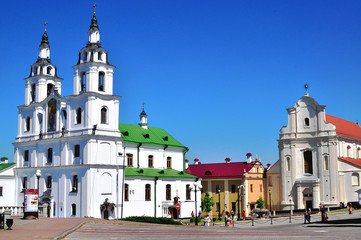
186 163
196 161
249 157
228 160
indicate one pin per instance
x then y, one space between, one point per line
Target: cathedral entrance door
308 204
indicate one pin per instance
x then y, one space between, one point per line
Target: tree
207 203
260 203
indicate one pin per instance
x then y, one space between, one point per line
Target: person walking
350 208
309 215
199 213
192 214
305 214
244 215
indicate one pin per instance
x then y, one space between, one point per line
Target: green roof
152 135
5 165
160 173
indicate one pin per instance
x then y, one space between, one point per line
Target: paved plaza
339 226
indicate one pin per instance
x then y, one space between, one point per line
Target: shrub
193 219
160 220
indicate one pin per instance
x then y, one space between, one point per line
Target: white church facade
90 164
319 159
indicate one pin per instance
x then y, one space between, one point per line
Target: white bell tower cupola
93 73
43 75
143 119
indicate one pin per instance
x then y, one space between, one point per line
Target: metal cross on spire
143 105
94 6
46 23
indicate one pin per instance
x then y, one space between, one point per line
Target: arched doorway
307 198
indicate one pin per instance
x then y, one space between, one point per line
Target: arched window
307 159
168 190
358 152
130 160
325 159
82 82
103 115
27 124
50 155
188 192
169 162
150 161
49 181
355 179
288 164
73 209
78 115
33 92
348 151
99 56
26 155
101 81
126 192
52 115
307 122
77 151
147 192
50 87
48 70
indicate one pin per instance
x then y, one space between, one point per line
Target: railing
15 210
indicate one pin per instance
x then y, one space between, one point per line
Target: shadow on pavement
354 222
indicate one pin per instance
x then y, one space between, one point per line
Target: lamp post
218 190
290 209
195 184
270 201
38 175
239 210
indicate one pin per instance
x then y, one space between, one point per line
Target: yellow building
234 186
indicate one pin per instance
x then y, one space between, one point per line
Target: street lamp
270 201
218 190
239 213
196 184
38 175
290 209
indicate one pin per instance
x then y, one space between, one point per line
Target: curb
67 232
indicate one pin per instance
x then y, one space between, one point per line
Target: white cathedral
319 159
88 163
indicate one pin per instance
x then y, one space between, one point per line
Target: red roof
220 170
353 161
345 128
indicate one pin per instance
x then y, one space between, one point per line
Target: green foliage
260 203
207 203
160 220
193 219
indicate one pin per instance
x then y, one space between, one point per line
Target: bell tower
43 75
93 73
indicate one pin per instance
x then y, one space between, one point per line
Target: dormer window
146 135
208 173
126 133
307 122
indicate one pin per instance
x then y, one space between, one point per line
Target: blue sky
217 75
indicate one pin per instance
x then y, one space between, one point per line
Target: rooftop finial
306 88
46 23
143 112
94 6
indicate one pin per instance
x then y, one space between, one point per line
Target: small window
325 159
26 156
233 188
77 151
288 164
169 162
48 182
307 158
251 188
50 155
99 56
307 122
103 116
82 82
101 81
75 183
84 56
33 92
73 209
78 116
270 181
208 172
348 151
25 182
1 191
150 161
126 192
358 152
49 88
188 192
48 70
147 192
168 190
130 160
355 179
